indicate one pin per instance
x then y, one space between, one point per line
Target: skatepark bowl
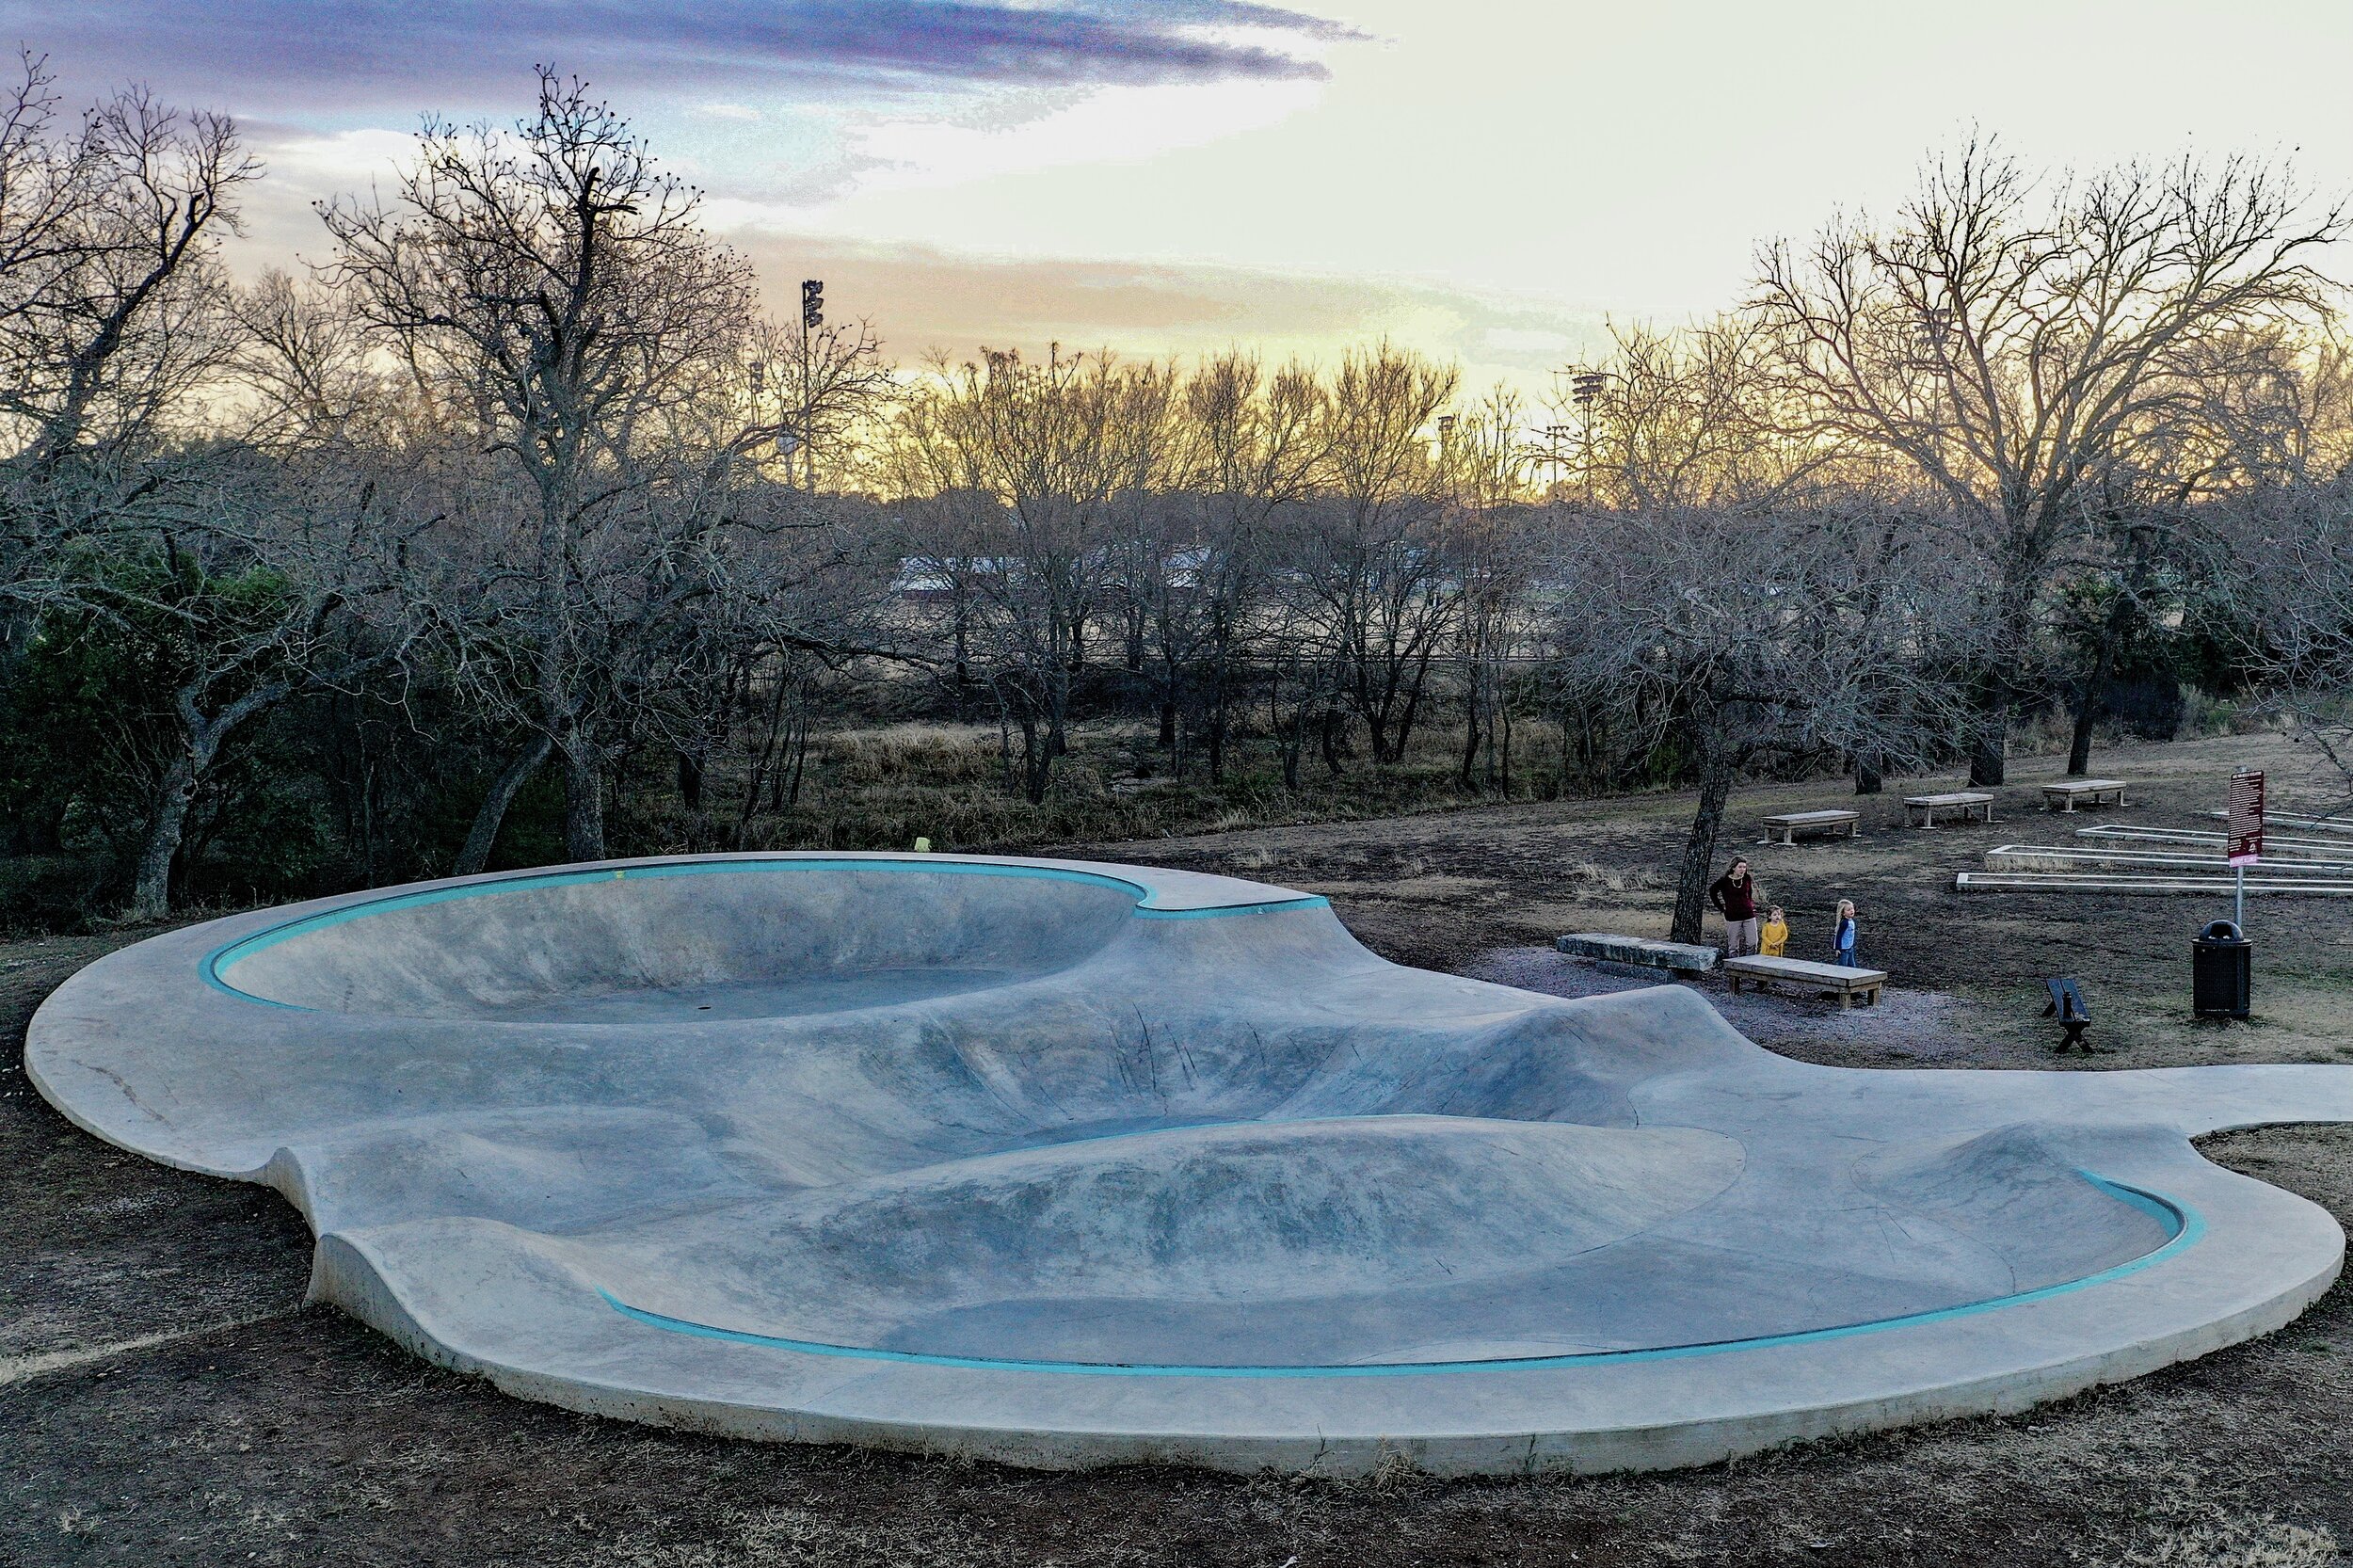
1061 1164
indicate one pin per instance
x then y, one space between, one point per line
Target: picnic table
1920 810
2067 794
1680 957
1849 983
1834 825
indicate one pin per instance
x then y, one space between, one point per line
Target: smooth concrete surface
1067 1164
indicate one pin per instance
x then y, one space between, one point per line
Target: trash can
2221 971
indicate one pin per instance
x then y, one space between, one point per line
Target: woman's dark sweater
1736 901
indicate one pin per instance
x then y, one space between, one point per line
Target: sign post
2244 832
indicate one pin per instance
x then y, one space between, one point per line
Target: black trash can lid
2220 931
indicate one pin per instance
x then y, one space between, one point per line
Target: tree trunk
483 836
1501 730
1037 761
1217 720
167 824
799 767
1870 773
1470 734
1290 739
2102 664
2088 694
1987 758
151 891
583 802
2087 719
1988 743
1717 768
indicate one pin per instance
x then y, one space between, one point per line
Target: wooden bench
1609 947
2090 791
1832 825
1847 984
1920 810
2073 1013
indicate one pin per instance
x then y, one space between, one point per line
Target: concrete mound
1062 1163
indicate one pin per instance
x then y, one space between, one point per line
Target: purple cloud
362 54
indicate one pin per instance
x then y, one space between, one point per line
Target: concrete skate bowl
736 938
1062 1163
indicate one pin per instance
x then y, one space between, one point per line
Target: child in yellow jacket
1772 938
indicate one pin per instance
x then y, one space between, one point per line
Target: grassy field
165 1399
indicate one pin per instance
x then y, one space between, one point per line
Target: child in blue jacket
1843 944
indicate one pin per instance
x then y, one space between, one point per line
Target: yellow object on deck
922 846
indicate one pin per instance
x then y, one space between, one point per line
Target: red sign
2245 830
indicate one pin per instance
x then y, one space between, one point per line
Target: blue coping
245 947
2187 1227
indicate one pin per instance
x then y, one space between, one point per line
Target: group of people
1752 926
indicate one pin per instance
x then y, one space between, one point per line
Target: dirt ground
165 1399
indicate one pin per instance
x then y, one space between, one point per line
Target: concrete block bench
1681 957
1849 983
1785 828
2069 793
1921 811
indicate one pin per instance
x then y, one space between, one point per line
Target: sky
1488 181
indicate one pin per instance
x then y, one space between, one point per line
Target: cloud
346 56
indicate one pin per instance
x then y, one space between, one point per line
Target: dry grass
2236 1541
883 787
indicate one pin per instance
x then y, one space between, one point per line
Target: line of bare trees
520 485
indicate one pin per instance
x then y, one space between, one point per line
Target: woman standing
1734 894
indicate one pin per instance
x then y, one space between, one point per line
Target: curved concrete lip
1064 1163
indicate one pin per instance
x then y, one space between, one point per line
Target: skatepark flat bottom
1060 1164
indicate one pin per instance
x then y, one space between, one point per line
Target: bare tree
826 383
1489 557
1741 636
1362 560
559 282
1255 443
1688 418
2278 588
2019 349
1036 457
279 593
111 315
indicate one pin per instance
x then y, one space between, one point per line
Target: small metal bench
2073 1013
1829 824
1921 811
2071 792
1609 947
1845 983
